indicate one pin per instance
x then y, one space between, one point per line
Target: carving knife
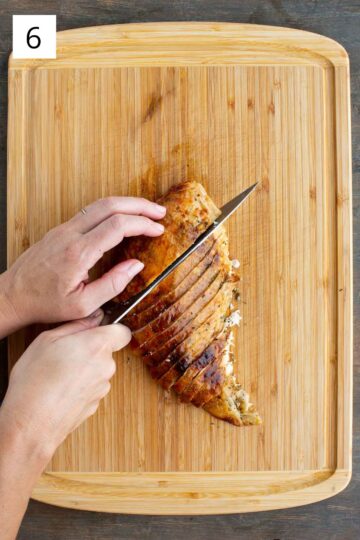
116 311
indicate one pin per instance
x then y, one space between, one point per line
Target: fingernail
97 313
160 209
158 227
135 268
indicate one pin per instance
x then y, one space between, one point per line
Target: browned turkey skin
182 329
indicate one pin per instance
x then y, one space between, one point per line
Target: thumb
79 325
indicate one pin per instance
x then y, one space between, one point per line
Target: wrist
10 320
20 445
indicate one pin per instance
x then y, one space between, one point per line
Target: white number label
34 36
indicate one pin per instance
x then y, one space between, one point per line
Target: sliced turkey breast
182 329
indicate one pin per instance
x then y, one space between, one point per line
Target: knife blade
114 312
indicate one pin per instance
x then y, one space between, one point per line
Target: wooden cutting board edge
189 493
213 493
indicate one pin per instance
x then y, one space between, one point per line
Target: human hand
59 381
56 384
49 281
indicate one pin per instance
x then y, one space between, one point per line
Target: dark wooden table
336 518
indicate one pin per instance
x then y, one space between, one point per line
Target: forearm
22 461
9 320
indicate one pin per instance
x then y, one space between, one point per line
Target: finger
93 406
93 214
112 283
91 410
106 365
110 369
79 325
103 391
115 336
112 231
86 413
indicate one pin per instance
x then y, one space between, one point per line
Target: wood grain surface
335 518
134 109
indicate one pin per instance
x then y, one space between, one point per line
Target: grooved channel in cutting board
95 132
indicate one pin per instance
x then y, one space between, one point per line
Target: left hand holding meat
49 282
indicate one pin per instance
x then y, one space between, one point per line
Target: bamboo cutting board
133 109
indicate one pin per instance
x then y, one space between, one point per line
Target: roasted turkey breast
183 329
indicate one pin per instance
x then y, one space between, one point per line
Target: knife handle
114 311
